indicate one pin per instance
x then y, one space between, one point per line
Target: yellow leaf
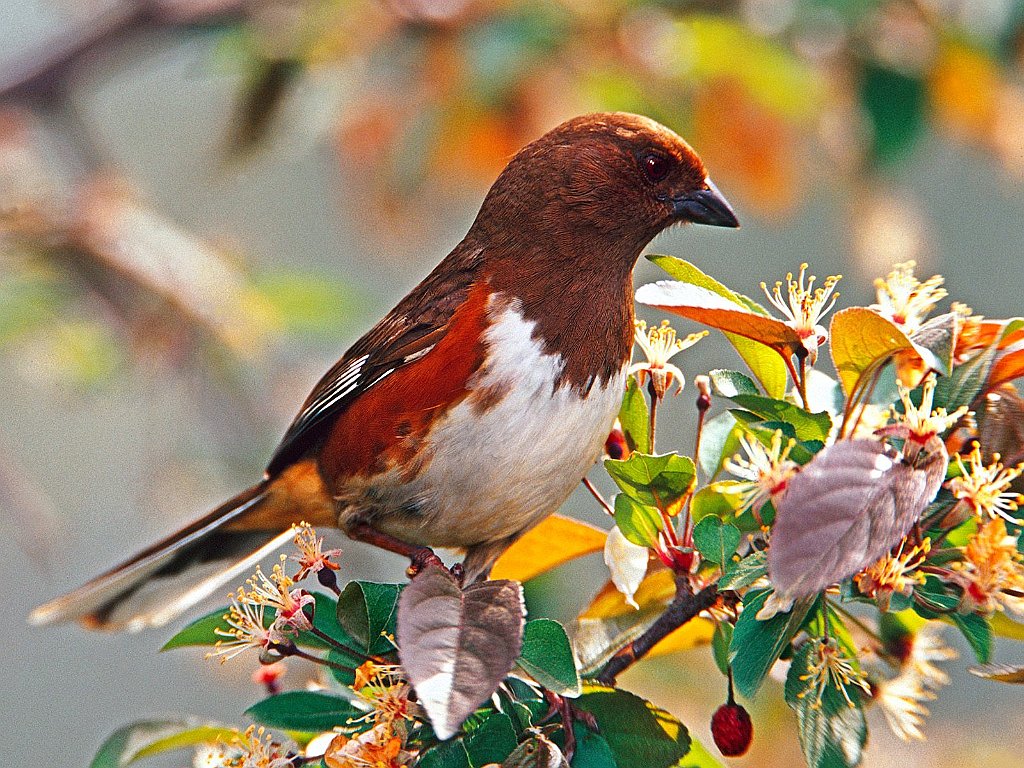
1004 626
554 541
694 633
657 588
862 340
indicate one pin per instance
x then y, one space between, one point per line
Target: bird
472 410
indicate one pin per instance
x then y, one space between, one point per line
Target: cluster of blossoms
375 740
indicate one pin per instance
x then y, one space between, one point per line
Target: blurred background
204 202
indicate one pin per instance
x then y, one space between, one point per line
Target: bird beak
705 206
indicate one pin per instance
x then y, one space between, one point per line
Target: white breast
494 471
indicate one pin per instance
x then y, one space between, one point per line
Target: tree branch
684 606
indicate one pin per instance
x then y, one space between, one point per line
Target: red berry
732 730
615 446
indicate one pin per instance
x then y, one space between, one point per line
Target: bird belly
508 454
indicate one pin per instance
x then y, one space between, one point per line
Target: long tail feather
172 575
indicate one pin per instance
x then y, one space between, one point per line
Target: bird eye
655 166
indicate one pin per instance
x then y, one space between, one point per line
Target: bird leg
419 556
561 706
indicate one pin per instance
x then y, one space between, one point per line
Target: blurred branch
42 75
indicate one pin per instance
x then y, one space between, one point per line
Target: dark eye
655 166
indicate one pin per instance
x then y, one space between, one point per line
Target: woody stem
684 606
340 645
653 420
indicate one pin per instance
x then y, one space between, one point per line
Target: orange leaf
694 633
704 306
657 588
554 541
1008 366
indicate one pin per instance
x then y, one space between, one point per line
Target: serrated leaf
548 658
492 741
766 365
719 499
550 543
716 541
448 754
304 711
756 645
1003 673
832 733
638 522
745 572
978 632
634 417
844 510
456 645
655 480
366 611
638 733
731 383
151 737
592 751
719 440
806 426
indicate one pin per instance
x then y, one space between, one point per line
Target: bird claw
422 558
563 708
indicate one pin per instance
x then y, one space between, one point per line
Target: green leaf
832 733
638 522
933 597
938 336
756 645
447 754
592 750
764 362
492 741
720 642
732 383
716 540
201 632
807 426
719 440
660 481
635 417
548 658
978 632
151 737
304 711
745 572
366 611
716 500
638 733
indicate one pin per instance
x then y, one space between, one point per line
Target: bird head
613 180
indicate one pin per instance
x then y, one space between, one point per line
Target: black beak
705 206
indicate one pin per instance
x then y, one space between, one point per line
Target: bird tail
174 574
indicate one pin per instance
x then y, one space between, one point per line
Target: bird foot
420 558
568 714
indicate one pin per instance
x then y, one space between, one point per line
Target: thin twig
685 606
599 496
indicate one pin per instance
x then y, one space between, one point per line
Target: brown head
609 180
564 223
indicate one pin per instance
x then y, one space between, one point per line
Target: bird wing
407 333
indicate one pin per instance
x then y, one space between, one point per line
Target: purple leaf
845 509
457 645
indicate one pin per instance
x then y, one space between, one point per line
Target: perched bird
471 411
